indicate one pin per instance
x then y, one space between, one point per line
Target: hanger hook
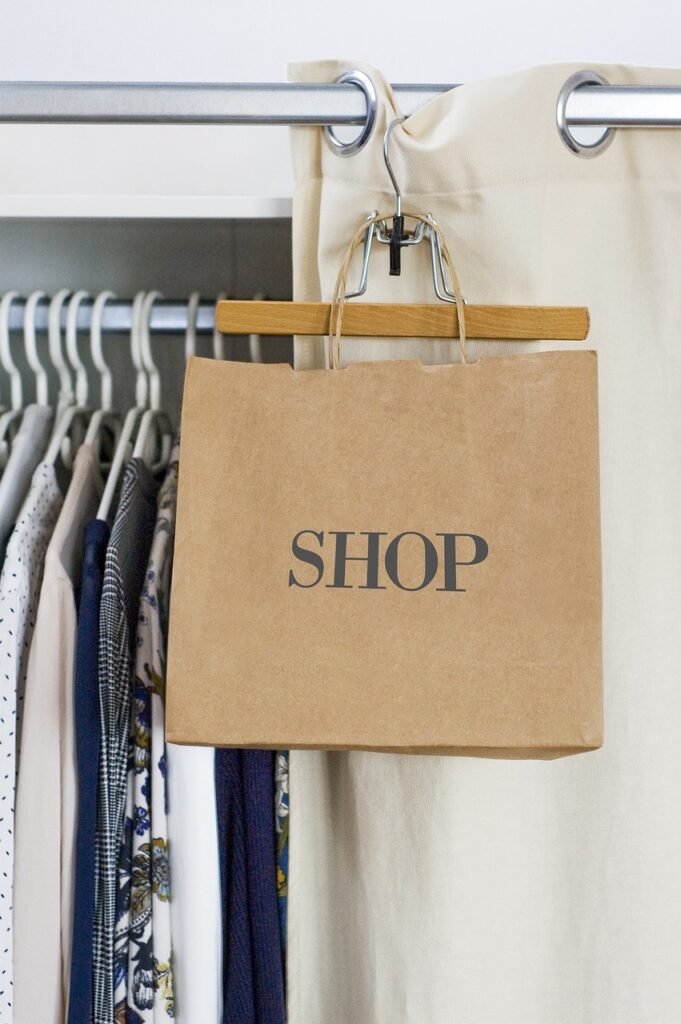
147 355
78 365
386 151
54 338
8 364
141 381
218 338
32 356
192 315
105 381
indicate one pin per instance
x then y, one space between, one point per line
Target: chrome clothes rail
256 103
168 316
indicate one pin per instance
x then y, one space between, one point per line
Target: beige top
45 826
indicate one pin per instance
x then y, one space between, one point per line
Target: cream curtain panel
427 890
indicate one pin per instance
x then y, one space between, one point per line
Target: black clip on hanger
396 237
397 240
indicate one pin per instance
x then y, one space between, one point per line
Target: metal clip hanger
397 237
400 320
405 320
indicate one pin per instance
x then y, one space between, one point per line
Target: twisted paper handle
338 302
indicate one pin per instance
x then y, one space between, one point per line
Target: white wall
174 171
410 40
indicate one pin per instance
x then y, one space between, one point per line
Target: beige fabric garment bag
447 890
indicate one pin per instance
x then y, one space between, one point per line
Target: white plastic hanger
123 448
155 427
63 443
77 364
190 335
105 418
10 420
41 382
3 407
218 337
54 337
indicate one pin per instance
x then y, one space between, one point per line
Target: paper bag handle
339 300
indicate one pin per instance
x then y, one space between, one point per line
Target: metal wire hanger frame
397 237
396 320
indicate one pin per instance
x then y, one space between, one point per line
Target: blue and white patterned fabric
124 570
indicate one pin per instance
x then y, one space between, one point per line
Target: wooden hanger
400 320
405 320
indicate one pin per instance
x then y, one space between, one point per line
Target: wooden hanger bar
405 320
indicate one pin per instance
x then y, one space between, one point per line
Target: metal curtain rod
586 100
168 316
257 103
264 103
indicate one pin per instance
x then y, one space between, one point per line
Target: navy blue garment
87 757
237 975
253 971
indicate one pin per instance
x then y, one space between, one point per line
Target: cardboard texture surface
390 557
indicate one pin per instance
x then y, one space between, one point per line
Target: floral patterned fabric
146 874
281 824
124 568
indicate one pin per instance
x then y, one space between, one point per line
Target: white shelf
137 171
145 206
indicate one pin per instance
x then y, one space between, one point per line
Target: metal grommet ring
576 81
363 81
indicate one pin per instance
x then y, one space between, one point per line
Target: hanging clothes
125 565
28 448
150 973
281 809
238 982
88 745
195 906
253 986
257 769
20 582
83 623
47 785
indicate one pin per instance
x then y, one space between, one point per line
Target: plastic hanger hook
41 383
8 364
105 379
150 366
190 335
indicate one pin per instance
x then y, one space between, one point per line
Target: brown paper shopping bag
389 556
